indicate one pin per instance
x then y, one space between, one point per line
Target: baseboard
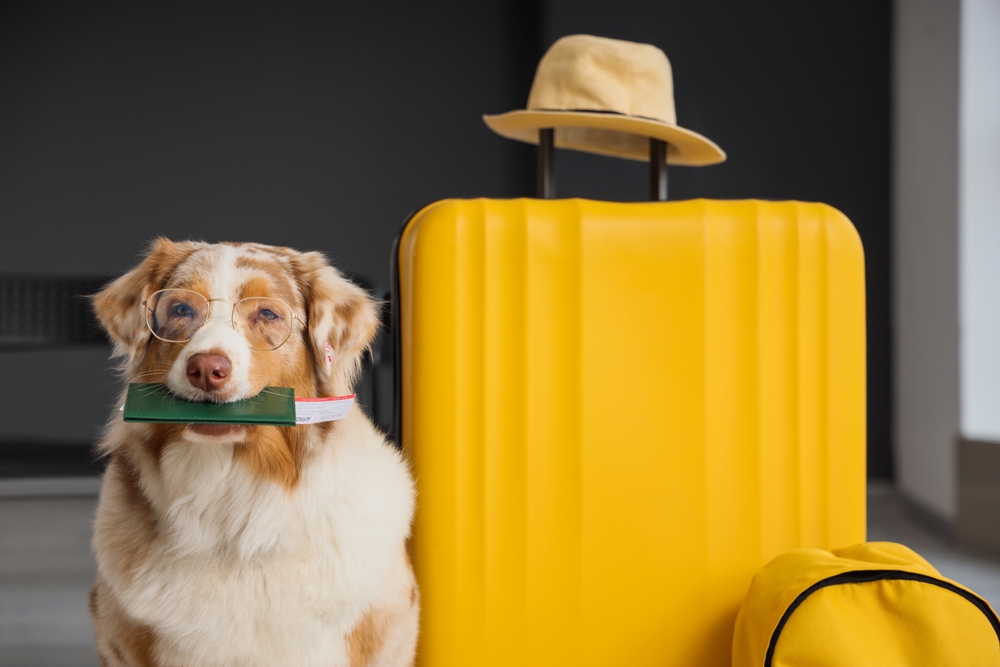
27 459
978 494
940 526
49 487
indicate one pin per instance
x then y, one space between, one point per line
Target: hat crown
587 73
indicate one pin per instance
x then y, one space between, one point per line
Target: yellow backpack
870 604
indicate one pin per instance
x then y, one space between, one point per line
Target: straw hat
606 96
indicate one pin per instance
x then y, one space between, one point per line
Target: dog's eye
181 310
267 323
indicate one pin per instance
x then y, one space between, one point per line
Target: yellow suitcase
617 413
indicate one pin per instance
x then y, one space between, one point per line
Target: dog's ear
342 321
119 305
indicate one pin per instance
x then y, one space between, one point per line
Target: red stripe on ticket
327 398
325 409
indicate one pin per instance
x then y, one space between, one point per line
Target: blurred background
322 125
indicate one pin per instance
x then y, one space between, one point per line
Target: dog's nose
208 371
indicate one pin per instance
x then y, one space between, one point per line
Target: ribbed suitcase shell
617 413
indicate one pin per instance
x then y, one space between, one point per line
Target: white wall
946 227
925 246
979 219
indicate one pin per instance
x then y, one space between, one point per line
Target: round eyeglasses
174 315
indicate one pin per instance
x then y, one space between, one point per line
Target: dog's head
220 322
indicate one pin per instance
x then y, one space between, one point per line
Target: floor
46 570
46 567
891 519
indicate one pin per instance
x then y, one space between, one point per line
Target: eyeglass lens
266 323
174 315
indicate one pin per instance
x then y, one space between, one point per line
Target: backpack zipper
866 576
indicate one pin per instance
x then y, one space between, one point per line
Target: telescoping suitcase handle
546 167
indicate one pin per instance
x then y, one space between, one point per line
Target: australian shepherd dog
239 546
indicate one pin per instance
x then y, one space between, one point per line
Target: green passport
274 406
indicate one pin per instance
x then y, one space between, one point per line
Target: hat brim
608 134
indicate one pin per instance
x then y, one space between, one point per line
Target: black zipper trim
866 576
394 319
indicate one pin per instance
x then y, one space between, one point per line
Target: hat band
608 112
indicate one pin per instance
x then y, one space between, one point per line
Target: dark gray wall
318 126
321 128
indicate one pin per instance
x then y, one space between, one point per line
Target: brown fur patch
118 637
138 645
163 435
256 286
414 591
156 362
260 261
195 285
118 305
164 259
367 637
340 314
272 279
273 453
349 314
132 545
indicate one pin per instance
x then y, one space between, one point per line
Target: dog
221 545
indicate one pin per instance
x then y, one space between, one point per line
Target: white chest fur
244 571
